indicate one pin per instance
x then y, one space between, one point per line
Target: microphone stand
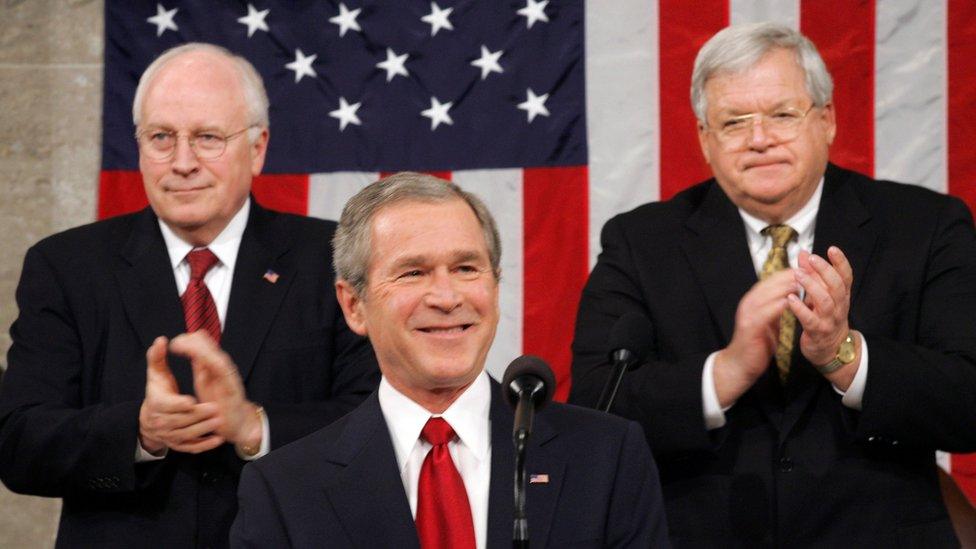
520 437
622 359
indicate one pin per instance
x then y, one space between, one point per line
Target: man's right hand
168 419
748 355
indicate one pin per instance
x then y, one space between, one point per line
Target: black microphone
630 342
528 385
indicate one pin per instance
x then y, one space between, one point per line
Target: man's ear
351 305
703 141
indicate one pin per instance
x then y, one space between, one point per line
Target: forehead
775 79
194 89
425 229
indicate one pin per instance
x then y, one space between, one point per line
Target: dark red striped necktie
199 308
443 512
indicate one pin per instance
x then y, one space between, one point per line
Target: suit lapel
841 222
147 289
370 485
716 248
541 498
254 299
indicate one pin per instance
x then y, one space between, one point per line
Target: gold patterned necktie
777 260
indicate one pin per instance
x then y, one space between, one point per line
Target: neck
435 401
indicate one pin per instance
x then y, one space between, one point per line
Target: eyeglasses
158 144
783 125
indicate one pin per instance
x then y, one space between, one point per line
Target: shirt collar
225 246
802 221
468 416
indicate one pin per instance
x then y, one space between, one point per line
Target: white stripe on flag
329 192
501 191
621 110
911 140
786 12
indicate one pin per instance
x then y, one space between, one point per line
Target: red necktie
443 511
199 308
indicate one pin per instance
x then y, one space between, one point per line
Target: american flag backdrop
558 113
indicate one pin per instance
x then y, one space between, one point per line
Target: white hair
737 48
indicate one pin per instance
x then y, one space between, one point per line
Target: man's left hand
824 309
216 380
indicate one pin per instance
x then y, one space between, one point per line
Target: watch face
846 352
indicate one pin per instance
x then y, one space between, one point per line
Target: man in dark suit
428 459
802 409
146 450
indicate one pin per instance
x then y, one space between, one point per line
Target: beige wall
50 109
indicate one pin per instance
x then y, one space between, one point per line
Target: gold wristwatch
846 354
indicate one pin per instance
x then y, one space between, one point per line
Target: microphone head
632 332
524 369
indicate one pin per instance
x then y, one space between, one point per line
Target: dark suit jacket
793 466
341 487
91 300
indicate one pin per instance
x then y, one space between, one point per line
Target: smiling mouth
446 330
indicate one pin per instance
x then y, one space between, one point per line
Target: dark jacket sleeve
52 441
664 396
921 386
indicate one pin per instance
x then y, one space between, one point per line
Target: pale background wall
50 138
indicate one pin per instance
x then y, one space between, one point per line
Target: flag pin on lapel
539 478
271 276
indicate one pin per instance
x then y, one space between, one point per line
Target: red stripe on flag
282 192
843 31
962 101
683 28
120 192
555 263
962 162
443 175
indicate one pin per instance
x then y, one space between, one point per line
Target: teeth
444 330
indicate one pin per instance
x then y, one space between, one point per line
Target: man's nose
443 293
185 160
759 136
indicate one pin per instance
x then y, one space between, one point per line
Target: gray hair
737 48
255 96
351 243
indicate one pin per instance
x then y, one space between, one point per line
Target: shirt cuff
714 413
142 455
855 393
265 441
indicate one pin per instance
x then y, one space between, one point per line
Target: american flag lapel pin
271 276
539 478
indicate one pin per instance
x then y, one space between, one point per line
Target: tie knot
200 262
437 431
781 234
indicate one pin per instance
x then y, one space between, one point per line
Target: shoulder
589 427
94 243
665 214
884 196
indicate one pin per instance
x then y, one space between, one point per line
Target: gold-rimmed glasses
160 144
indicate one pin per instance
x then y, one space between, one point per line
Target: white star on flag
438 18
163 19
302 65
438 113
534 11
254 20
346 19
534 104
346 114
394 64
488 62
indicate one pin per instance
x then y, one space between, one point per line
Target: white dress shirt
471 451
218 280
803 222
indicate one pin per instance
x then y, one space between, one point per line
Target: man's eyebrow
458 256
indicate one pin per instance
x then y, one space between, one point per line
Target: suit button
785 464
208 478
